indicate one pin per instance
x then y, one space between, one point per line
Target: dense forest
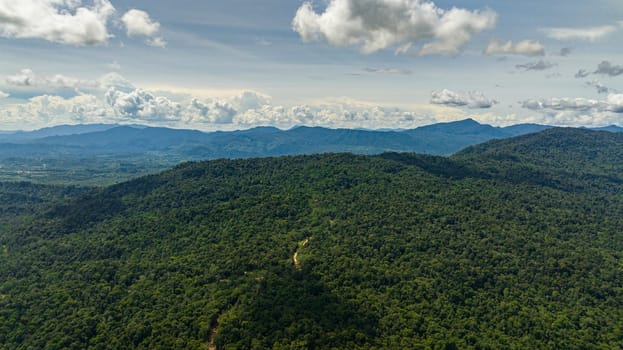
512 244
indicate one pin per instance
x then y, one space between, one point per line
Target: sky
377 64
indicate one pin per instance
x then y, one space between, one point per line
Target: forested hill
560 148
563 156
333 251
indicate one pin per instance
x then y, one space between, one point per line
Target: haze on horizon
223 65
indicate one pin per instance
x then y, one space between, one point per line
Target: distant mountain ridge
75 153
59 130
436 139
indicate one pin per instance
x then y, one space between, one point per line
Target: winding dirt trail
212 343
295 257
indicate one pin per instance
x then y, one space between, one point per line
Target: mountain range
515 243
438 139
103 154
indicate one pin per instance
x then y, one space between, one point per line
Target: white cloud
48 110
615 103
28 78
248 100
25 77
60 21
523 48
472 99
374 25
587 33
115 80
344 113
4 94
139 23
62 81
578 111
562 104
140 104
144 106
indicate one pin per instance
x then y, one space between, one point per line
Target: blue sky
337 63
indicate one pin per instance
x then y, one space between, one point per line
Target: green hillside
514 244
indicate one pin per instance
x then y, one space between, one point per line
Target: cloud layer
472 99
587 33
373 25
579 111
113 99
27 78
523 48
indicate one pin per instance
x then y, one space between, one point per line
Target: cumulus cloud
139 23
59 21
587 33
248 100
561 104
577 111
374 25
615 103
536 66
140 104
25 77
116 100
145 106
3 94
472 99
339 113
115 80
52 110
523 48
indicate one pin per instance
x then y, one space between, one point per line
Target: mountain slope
59 130
574 156
392 251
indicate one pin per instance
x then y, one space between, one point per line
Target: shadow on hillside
293 309
437 165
